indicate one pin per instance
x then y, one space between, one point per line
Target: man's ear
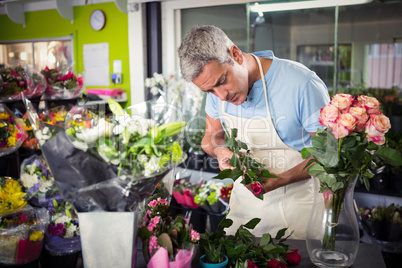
236 54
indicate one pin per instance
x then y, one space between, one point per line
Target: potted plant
244 250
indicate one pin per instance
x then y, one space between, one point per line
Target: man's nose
222 94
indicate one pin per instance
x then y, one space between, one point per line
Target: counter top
369 255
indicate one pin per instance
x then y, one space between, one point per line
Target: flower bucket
108 239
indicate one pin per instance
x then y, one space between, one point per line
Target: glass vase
333 233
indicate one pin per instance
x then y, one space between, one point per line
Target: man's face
227 82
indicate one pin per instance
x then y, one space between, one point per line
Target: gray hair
201 45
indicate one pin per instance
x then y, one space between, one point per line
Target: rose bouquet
15 80
244 166
166 241
21 235
244 250
12 133
62 83
63 231
355 131
36 177
213 196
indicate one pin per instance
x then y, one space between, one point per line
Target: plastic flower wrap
112 164
36 177
63 83
213 196
21 235
52 117
12 133
17 80
166 241
63 231
184 193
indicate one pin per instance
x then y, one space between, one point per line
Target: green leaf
265 239
247 179
236 173
318 143
266 174
306 152
252 223
390 155
115 107
225 223
234 161
223 174
315 169
280 233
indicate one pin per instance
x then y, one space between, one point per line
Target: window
38 53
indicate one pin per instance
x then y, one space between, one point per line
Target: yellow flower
4 116
11 196
11 141
36 236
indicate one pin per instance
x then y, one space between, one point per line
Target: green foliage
243 246
336 161
244 165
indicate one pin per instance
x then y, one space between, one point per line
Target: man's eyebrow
219 80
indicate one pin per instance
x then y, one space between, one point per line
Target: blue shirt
295 97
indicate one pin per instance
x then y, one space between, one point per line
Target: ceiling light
304 5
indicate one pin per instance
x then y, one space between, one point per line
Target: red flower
250 264
293 257
66 77
276 264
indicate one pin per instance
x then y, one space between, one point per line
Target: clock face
97 20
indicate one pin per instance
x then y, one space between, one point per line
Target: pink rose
276 264
345 124
379 140
256 187
342 101
361 115
293 257
371 104
328 115
377 125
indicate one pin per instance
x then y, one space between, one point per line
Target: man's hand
224 155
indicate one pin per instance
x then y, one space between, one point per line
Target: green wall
49 23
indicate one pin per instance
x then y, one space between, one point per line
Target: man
275 116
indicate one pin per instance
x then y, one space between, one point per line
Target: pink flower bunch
153 244
345 115
159 200
57 230
158 229
194 235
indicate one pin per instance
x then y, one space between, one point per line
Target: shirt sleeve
314 97
211 106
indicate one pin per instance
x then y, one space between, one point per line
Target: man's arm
213 142
292 175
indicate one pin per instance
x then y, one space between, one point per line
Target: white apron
287 206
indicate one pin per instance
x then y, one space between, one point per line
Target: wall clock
97 20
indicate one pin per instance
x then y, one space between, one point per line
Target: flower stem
334 208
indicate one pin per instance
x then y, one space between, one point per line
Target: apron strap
263 83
